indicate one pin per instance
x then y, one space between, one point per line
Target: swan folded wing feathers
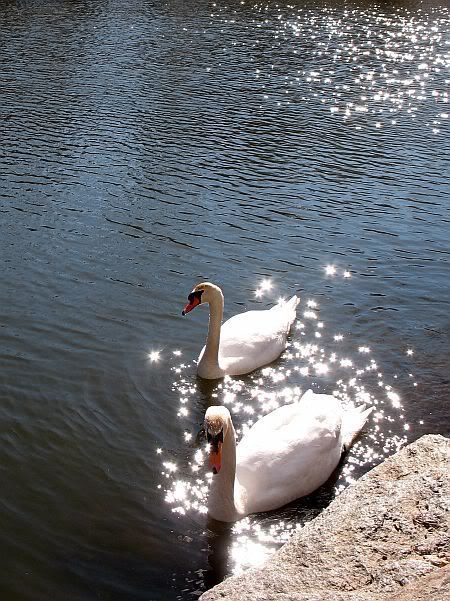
286 471
244 342
252 334
320 406
288 310
291 444
280 440
287 454
277 319
275 477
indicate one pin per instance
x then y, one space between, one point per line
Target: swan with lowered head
285 455
246 341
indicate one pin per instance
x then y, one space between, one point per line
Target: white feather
246 341
287 454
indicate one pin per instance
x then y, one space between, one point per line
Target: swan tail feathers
289 309
293 302
292 309
352 423
287 304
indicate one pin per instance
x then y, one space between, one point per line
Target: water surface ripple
272 148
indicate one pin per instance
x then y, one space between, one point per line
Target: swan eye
196 295
214 439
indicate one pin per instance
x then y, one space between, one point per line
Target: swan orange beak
215 458
191 305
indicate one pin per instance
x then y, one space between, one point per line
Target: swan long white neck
222 499
211 353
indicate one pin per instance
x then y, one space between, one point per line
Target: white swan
244 342
285 455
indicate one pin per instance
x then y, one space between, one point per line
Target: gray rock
385 538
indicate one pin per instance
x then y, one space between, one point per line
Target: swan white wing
324 408
245 332
248 341
290 452
255 338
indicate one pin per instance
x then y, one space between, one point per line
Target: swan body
285 455
246 341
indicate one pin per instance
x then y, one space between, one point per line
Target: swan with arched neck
244 342
285 455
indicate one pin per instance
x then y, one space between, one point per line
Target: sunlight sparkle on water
388 64
310 315
387 69
255 542
154 356
354 377
170 466
265 286
394 398
245 553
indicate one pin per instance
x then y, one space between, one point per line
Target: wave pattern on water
146 145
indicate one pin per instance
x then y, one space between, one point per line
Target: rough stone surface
385 538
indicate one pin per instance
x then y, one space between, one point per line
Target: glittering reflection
154 356
143 142
386 65
317 357
253 542
265 286
368 68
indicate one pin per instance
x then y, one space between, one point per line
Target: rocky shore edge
385 538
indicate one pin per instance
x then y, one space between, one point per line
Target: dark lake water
146 146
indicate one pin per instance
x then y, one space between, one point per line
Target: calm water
146 145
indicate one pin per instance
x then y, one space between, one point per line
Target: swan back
291 451
285 455
246 341
256 338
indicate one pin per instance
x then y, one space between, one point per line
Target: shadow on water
219 538
207 388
